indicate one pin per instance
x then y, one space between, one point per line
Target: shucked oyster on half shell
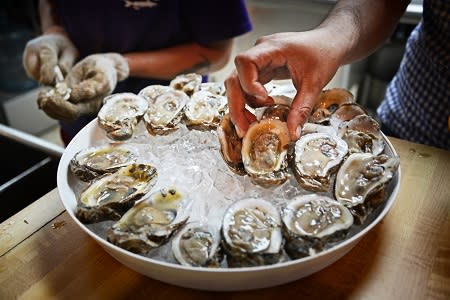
328 102
361 182
92 162
230 145
251 230
120 114
151 221
264 152
109 196
204 110
313 221
198 245
188 83
165 112
316 157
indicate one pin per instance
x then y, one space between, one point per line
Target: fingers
301 108
30 61
96 84
48 57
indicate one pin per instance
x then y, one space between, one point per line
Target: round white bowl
221 279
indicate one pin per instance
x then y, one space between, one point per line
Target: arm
169 62
352 30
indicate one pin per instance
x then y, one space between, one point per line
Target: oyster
361 181
109 196
120 113
216 88
197 245
264 152
362 134
277 111
152 92
345 113
204 110
328 102
252 236
230 145
95 161
151 221
165 112
311 222
316 157
188 83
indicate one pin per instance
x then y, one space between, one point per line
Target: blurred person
417 101
105 47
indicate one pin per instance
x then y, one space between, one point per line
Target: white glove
43 53
90 80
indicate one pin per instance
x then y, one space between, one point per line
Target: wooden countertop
43 254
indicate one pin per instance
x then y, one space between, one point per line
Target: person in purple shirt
106 47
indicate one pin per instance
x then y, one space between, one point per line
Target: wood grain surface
44 255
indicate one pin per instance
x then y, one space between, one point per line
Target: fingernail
298 131
239 131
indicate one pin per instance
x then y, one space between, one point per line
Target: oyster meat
92 162
188 83
120 114
204 110
361 182
311 222
198 245
230 145
316 157
165 112
152 92
216 88
251 230
151 221
328 102
109 196
264 152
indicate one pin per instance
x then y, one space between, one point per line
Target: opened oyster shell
109 196
198 245
252 236
92 162
204 110
217 88
361 182
165 112
120 114
328 102
151 221
345 113
152 92
316 157
188 83
313 221
264 152
230 145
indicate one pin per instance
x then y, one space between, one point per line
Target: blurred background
31 163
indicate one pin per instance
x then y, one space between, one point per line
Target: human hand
43 53
309 58
90 80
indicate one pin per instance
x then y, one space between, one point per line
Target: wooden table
43 254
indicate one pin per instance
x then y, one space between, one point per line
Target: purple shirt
98 26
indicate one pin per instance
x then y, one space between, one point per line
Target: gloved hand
43 53
90 80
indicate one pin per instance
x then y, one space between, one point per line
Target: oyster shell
251 230
316 157
197 245
345 113
361 182
188 83
217 88
277 112
204 110
328 102
120 114
313 221
152 92
151 221
362 134
264 152
109 196
92 162
165 112
230 145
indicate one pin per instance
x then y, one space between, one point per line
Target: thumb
48 57
302 105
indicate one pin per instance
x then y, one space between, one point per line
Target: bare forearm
360 26
169 62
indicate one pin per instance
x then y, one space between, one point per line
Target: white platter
221 279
